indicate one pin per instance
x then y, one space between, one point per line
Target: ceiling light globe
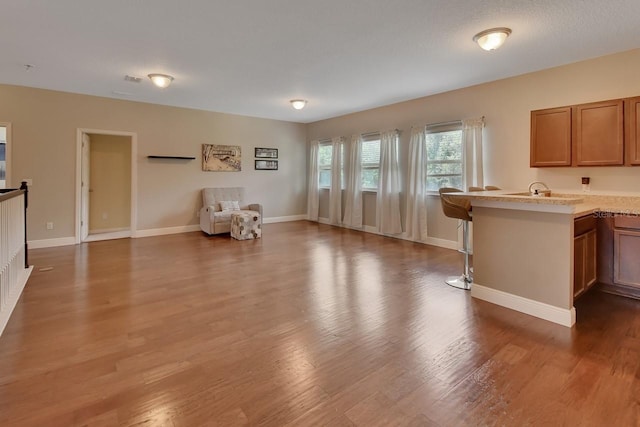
492 39
298 104
161 80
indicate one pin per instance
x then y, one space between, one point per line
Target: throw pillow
229 205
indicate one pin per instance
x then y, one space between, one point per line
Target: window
444 157
325 152
370 163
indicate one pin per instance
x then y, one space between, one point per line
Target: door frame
134 176
7 155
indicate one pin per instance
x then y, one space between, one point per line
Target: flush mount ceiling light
492 39
298 104
161 80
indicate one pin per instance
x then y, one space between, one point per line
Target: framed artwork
266 153
266 165
221 158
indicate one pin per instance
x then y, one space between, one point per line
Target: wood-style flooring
310 325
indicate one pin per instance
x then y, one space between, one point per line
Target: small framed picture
266 165
266 153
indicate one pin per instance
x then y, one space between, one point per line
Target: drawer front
627 221
583 225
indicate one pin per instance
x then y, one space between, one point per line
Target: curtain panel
472 140
416 222
335 191
388 199
353 202
313 184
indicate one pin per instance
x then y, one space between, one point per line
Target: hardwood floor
310 325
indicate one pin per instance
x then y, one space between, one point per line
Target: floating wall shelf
171 157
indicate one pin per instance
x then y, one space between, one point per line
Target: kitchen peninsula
523 247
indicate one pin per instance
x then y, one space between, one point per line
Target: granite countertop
578 204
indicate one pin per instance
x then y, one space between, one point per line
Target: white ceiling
251 57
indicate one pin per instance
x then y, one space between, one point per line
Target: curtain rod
367 134
451 122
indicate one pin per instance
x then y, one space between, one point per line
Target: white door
5 139
86 162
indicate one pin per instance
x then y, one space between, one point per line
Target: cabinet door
626 268
632 136
579 244
590 275
584 262
551 137
598 138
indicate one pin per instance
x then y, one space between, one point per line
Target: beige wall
110 183
45 123
540 270
506 105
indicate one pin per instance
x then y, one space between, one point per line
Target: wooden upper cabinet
632 136
598 134
551 137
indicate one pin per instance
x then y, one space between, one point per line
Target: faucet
537 192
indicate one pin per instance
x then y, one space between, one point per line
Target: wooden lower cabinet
618 260
584 262
626 260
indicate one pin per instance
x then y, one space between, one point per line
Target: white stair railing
14 270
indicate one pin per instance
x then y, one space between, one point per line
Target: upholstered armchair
215 217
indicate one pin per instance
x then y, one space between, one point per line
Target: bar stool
459 209
475 189
492 188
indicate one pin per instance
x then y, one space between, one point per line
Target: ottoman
245 225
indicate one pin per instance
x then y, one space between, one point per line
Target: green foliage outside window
370 163
444 160
324 165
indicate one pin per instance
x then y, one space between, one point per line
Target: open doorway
106 190
5 147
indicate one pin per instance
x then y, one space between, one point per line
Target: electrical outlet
105 215
198 214
49 226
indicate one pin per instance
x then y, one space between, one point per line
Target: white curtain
472 140
474 176
416 223
353 202
335 191
312 193
388 199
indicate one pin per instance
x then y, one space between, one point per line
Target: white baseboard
51 243
433 241
166 230
108 230
288 218
448 244
11 302
196 227
561 316
96 237
65 241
